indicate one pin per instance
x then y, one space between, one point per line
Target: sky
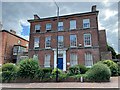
16 14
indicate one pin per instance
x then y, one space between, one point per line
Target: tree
112 51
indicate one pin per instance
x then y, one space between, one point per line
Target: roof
64 16
13 34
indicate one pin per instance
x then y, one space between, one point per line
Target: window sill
88 46
47 47
73 46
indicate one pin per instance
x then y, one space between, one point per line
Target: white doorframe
63 51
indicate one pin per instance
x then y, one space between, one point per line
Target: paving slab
114 83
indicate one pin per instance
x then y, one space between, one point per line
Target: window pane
73 59
73 24
86 23
37 28
36 42
73 40
48 26
60 41
48 41
88 59
60 26
87 40
47 60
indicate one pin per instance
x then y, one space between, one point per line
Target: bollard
81 79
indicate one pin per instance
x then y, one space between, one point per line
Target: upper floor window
60 41
88 59
48 41
60 26
86 23
48 26
73 40
72 24
73 59
47 60
37 28
87 40
36 42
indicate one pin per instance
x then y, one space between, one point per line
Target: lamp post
57 41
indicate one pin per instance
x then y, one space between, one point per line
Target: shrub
113 67
99 72
39 74
28 68
78 69
9 72
61 74
119 68
47 72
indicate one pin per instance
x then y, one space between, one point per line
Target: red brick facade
8 40
79 32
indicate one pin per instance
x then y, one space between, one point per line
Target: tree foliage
112 51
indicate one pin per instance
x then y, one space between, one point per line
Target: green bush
9 72
39 74
47 73
77 69
61 75
28 68
98 73
119 68
113 67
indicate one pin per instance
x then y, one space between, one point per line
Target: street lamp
57 41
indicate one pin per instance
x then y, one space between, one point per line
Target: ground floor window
88 59
47 60
35 57
73 59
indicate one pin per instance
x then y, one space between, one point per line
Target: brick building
8 46
77 36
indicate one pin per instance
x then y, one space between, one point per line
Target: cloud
15 15
109 13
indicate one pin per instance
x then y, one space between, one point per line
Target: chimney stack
93 8
1 26
36 16
12 31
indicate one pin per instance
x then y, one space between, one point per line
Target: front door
60 63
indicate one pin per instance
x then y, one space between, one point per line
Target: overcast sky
16 14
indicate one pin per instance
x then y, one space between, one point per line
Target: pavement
115 81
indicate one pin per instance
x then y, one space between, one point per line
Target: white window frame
35 57
60 26
47 60
72 24
48 26
46 40
37 27
85 40
88 59
36 43
86 23
60 41
71 42
73 59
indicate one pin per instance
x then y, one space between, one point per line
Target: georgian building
76 37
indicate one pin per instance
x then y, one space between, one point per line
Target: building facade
76 37
9 41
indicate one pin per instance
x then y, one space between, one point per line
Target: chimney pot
93 8
36 16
